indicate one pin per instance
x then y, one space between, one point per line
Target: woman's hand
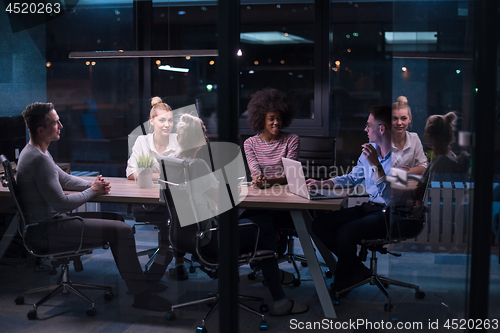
258 180
405 167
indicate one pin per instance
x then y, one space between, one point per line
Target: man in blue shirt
341 230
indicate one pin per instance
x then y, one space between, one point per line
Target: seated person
41 186
191 137
407 150
438 136
341 230
438 133
160 142
269 111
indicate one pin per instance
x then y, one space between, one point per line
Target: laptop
297 182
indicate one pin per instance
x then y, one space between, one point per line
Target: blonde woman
407 150
160 142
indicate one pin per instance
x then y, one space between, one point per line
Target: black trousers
65 235
343 229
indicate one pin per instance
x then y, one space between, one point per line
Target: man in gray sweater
41 186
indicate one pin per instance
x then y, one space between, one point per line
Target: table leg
327 255
300 219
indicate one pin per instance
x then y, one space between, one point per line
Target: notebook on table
297 182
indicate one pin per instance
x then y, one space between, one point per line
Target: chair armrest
77 251
202 233
169 183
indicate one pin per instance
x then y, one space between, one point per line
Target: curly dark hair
269 100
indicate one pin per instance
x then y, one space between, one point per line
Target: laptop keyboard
315 194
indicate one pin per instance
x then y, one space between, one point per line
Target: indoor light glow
272 37
173 69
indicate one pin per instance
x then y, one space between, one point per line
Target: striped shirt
265 158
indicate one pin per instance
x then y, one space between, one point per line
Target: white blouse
144 145
412 153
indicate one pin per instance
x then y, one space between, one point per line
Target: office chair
61 257
188 238
317 155
402 223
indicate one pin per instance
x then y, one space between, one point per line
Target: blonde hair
158 105
190 132
441 128
402 103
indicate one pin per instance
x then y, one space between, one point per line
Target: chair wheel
263 325
91 312
32 315
388 307
19 300
263 308
201 329
170 316
108 296
328 274
192 269
296 282
419 295
251 276
303 264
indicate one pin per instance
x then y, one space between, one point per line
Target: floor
441 276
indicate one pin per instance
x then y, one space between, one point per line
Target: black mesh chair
402 222
176 182
59 257
317 155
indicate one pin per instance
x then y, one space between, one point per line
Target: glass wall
186 26
422 50
278 50
494 286
94 97
376 52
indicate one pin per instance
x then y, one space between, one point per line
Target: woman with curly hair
269 111
191 138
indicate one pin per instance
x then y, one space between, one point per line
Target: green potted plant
145 171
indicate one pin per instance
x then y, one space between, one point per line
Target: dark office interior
334 59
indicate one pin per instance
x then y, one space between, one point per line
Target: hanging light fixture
146 53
